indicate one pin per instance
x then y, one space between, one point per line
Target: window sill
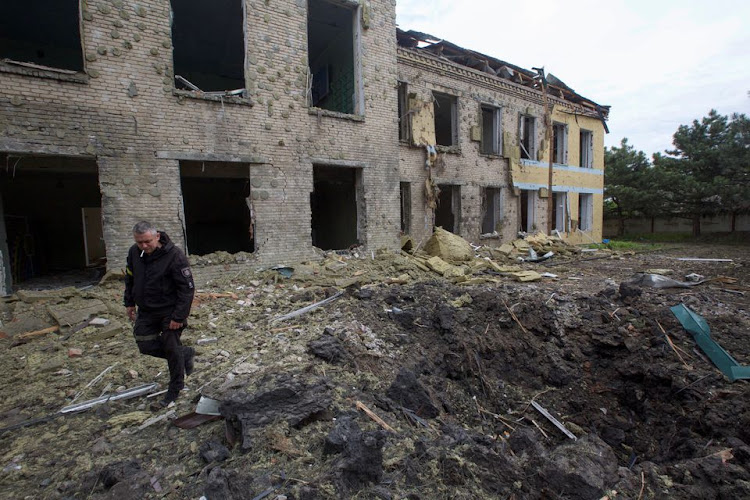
491 156
335 114
215 97
489 236
28 69
456 150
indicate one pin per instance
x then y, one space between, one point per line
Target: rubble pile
437 372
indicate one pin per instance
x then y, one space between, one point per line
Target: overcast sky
658 63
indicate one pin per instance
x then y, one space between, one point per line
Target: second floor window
491 130
527 136
587 149
446 119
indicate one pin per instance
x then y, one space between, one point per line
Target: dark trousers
154 338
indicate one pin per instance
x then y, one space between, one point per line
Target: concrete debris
448 246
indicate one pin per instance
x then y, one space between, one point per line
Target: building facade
255 131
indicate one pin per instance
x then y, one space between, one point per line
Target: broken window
585 211
405 207
209 45
446 119
52 215
218 210
332 34
336 201
587 149
491 130
560 211
404 123
448 211
43 32
491 209
560 143
527 210
527 136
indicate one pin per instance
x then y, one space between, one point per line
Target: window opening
445 112
404 124
331 36
405 207
528 209
52 216
587 149
560 211
448 211
218 211
527 134
585 211
492 210
560 143
42 32
491 130
335 203
209 45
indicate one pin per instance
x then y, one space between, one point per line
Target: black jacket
160 281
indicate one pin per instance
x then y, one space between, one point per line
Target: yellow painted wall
537 173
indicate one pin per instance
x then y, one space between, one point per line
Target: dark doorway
45 32
215 197
52 214
448 208
334 207
524 211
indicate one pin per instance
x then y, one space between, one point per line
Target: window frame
531 151
454 117
497 130
560 143
586 149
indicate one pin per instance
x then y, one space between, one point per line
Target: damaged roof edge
424 42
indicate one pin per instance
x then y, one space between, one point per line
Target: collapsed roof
450 52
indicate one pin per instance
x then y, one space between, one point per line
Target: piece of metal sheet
697 326
207 406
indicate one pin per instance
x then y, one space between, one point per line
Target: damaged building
254 132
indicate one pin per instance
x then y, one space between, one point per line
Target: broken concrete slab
31 296
76 311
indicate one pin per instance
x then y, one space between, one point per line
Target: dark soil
452 370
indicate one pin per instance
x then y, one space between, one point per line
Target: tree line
707 173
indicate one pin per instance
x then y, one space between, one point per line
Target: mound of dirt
410 384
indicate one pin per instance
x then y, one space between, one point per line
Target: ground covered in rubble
409 384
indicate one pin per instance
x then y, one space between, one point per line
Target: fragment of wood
360 405
306 309
515 318
643 485
207 295
151 421
283 328
540 429
37 333
554 421
674 347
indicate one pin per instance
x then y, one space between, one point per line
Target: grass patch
627 245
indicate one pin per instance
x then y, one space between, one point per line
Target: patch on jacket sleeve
185 272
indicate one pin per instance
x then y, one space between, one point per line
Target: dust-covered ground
407 385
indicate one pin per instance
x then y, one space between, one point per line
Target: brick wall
125 113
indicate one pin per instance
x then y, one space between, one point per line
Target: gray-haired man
160 284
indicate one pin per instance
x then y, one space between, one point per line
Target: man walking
159 283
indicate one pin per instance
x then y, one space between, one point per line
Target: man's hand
131 312
174 325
